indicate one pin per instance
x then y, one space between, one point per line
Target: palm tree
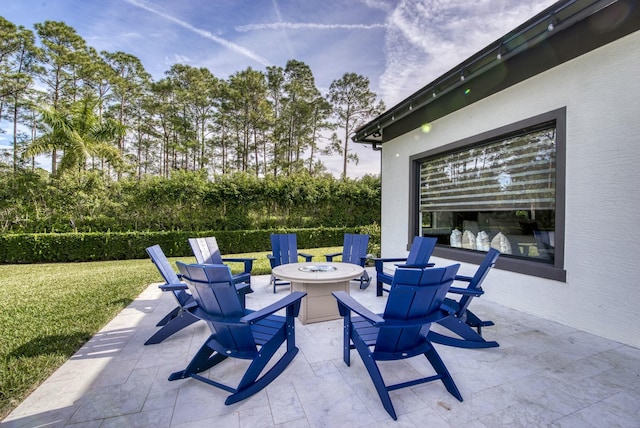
81 134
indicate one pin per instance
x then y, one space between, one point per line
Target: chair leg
469 338
441 369
277 282
250 383
204 359
365 280
346 340
183 320
171 315
242 290
376 377
266 379
472 320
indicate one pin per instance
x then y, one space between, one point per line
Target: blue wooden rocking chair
179 317
463 320
354 251
284 249
237 332
419 254
414 303
207 252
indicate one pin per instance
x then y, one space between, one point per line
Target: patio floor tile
543 374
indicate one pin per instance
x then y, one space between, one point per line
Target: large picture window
500 192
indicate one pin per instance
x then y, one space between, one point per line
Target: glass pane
528 234
515 173
499 194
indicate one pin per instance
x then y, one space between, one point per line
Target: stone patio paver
543 374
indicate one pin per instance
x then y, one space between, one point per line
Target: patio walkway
543 374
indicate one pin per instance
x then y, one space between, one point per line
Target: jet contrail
308 26
206 34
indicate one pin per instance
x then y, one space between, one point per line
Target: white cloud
378 4
425 38
132 35
307 26
177 59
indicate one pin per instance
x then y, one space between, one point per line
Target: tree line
102 111
33 202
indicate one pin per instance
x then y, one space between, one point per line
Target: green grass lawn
48 311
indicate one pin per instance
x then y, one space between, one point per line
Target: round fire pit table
318 280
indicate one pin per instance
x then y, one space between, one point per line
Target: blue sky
399 45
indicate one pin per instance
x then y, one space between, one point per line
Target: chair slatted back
482 272
206 250
415 294
213 290
168 274
284 247
355 248
421 250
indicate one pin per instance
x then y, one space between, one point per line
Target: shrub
96 246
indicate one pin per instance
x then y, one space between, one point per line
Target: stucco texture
600 91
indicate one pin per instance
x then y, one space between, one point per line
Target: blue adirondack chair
237 332
463 320
179 317
354 250
284 249
207 252
421 250
414 303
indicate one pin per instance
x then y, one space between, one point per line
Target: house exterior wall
601 93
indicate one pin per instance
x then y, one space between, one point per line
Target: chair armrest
384 260
363 260
173 287
237 260
379 262
248 262
418 266
331 256
272 260
243 288
348 302
466 292
291 299
306 256
463 278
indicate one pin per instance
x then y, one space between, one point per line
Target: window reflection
497 194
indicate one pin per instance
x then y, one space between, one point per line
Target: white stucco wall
601 92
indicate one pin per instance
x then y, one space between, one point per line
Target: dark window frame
553 271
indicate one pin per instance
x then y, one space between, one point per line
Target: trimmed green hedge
190 201
85 247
